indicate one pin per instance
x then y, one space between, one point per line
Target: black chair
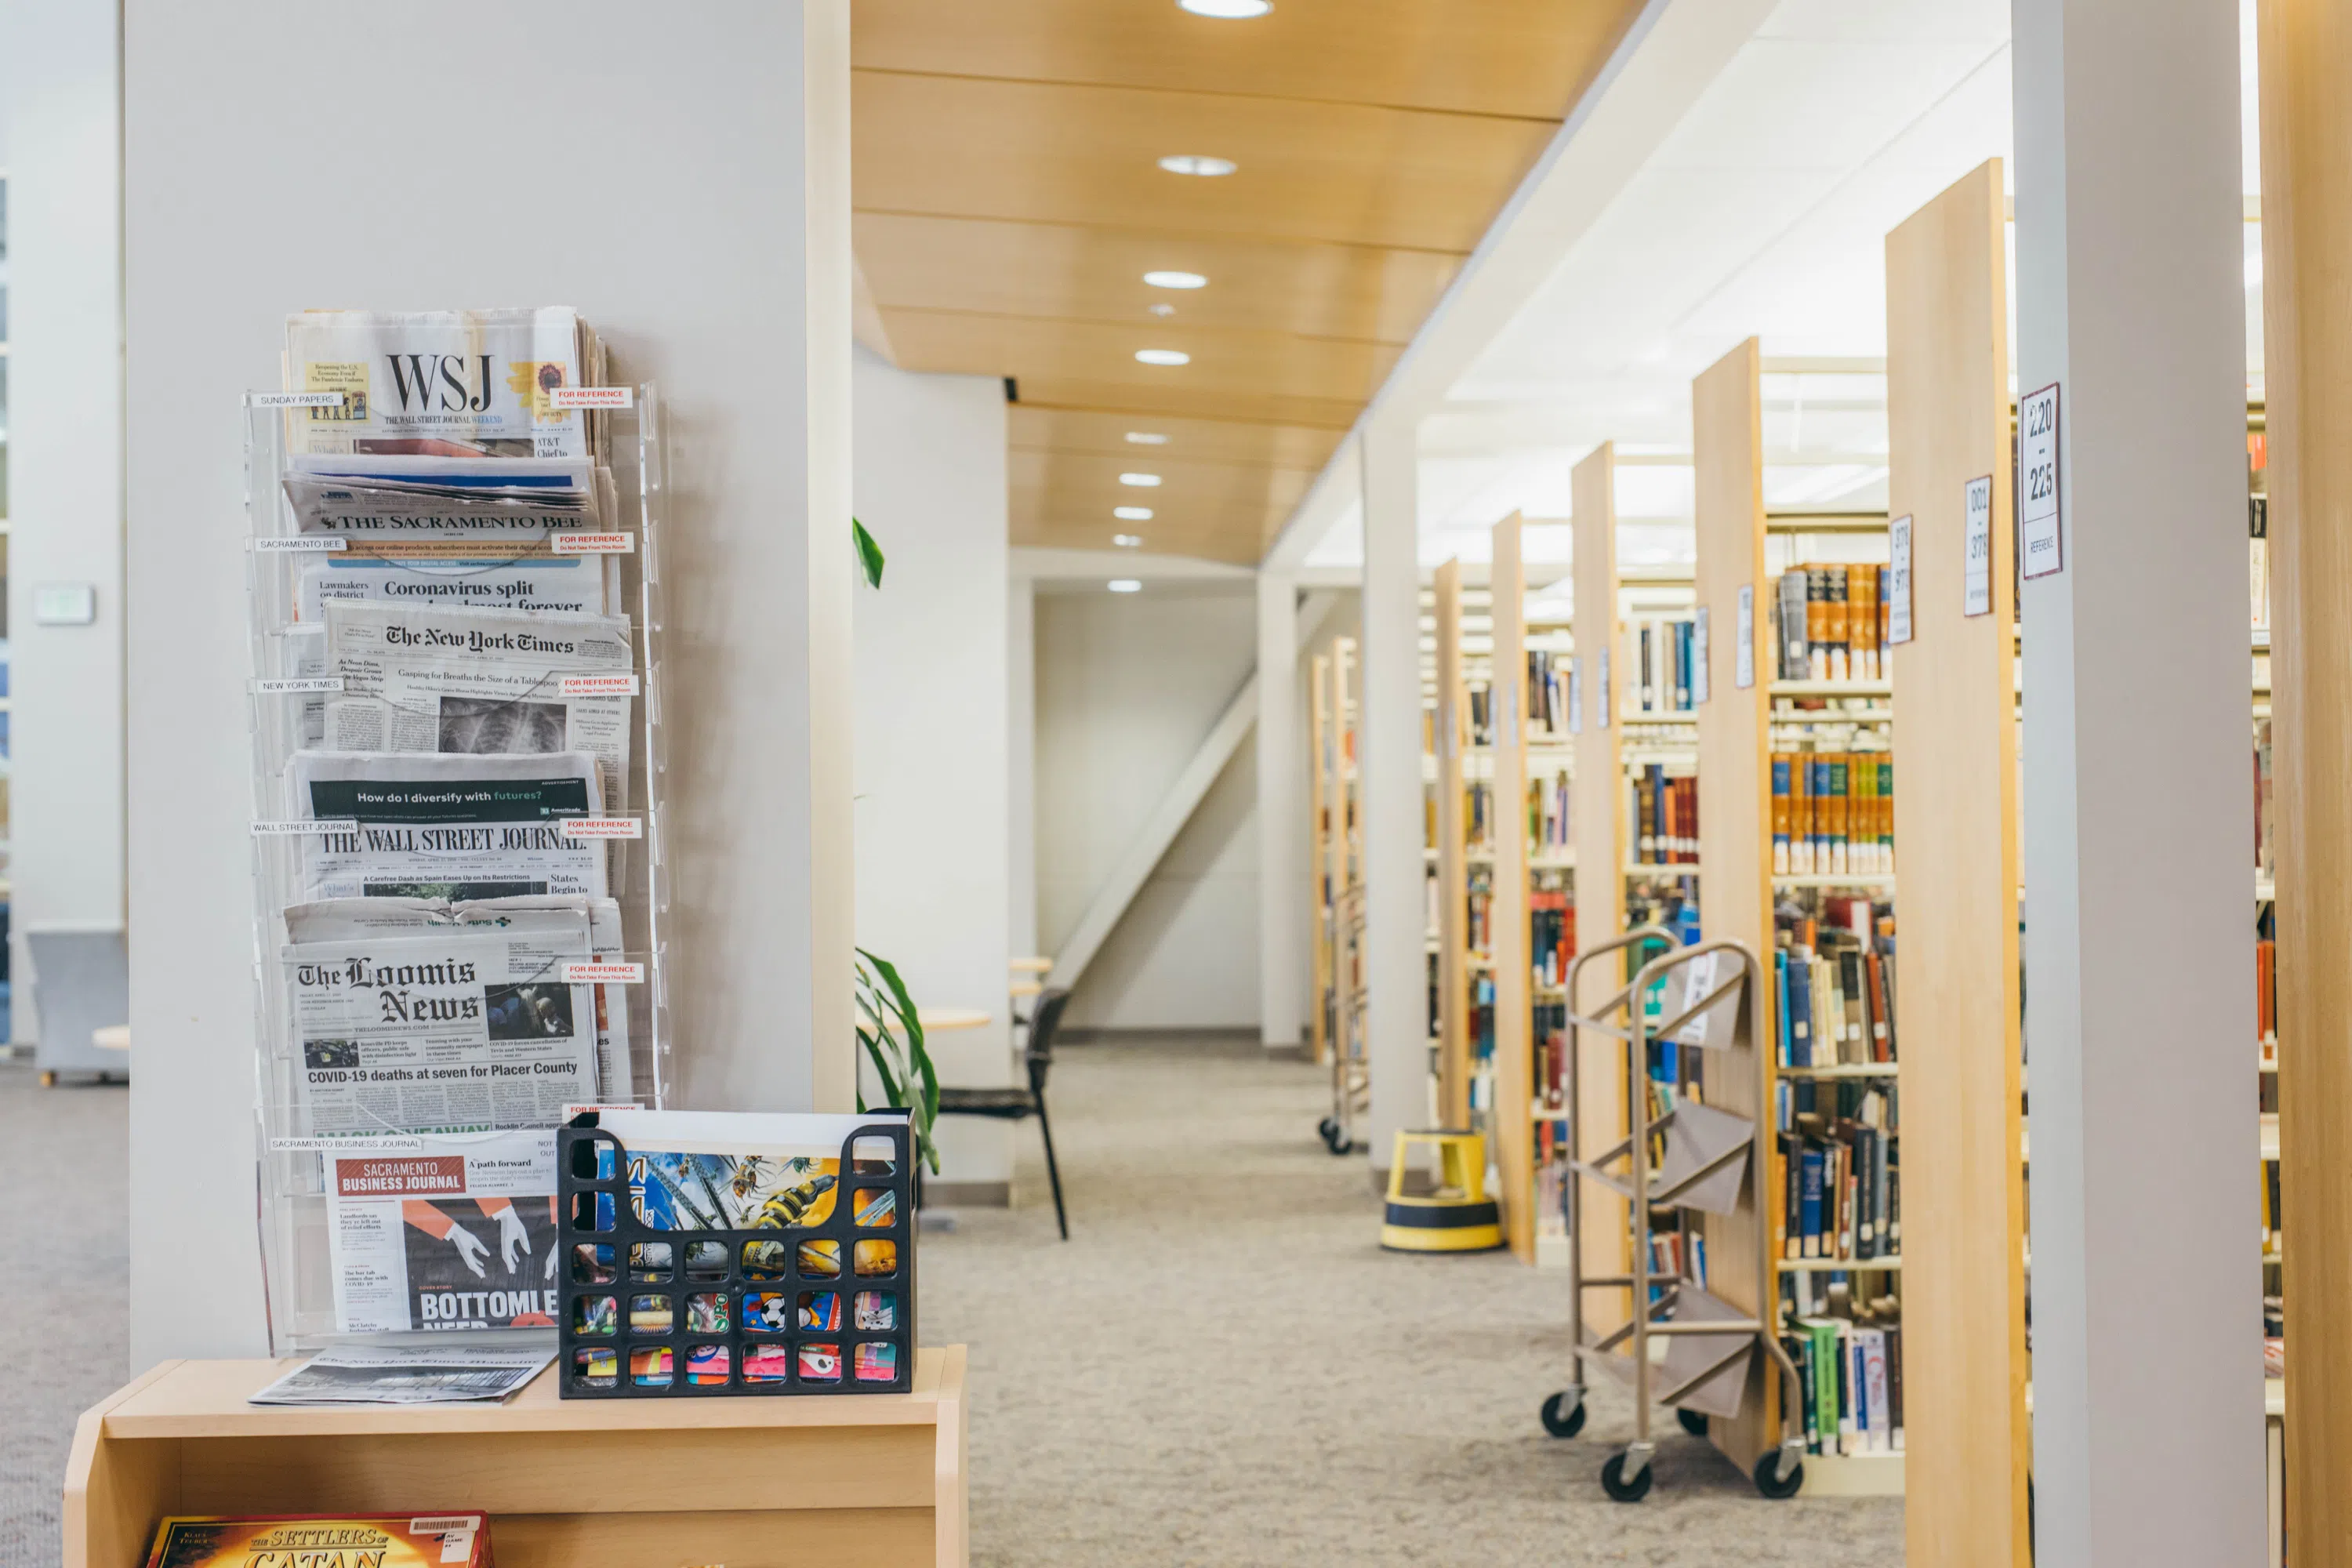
1014 1104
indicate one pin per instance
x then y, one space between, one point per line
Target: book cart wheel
1693 1421
1562 1419
1333 1139
1772 1483
1613 1481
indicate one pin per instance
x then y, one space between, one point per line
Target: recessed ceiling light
1141 482
1124 585
1147 437
1127 540
1131 514
1207 168
1175 280
1162 356
1231 10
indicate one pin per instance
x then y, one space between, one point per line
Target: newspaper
442 383
413 1016
441 1376
444 1233
458 828
479 682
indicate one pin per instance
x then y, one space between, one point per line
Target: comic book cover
718 1170
324 1540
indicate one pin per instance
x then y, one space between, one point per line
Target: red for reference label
599 685
603 828
593 544
603 974
591 397
400 1176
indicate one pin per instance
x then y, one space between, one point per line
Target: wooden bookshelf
1450 737
602 1483
1735 821
1957 826
1597 813
1514 1013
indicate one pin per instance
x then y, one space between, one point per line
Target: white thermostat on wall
65 603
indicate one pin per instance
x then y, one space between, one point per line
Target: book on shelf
1841 1199
1665 813
1850 1376
1660 654
1836 1000
1832 814
1831 622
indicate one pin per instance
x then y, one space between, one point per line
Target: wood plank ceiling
1009 199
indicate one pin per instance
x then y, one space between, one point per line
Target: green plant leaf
893 1039
869 554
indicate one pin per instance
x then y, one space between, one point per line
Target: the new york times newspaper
416 1016
481 682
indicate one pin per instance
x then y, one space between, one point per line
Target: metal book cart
1707 1155
1351 1080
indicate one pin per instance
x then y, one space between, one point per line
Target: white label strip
1699 659
571 1110
1601 693
2040 536
345 1145
293 400
298 683
593 544
591 397
1575 696
301 544
1899 579
576 974
1743 655
598 684
603 828
295 828
1976 548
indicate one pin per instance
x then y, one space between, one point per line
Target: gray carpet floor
1222 1367
67 1292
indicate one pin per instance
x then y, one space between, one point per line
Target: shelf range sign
2038 524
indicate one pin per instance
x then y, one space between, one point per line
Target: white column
1281 816
1396 902
2148 1420
61 94
278 155
932 731
1020 708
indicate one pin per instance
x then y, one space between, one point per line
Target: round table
1033 965
113 1037
939 1020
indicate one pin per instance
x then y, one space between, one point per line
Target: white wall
1020 679
60 102
1128 685
933 772
686 185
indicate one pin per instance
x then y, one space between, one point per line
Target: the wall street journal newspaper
412 1016
478 682
445 383
453 828
451 1233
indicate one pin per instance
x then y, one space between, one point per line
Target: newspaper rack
844 1290
1709 1155
580 827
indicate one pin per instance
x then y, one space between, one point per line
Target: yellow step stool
1457 1216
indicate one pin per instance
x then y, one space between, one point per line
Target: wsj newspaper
442 383
478 682
458 828
412 1016
458 1233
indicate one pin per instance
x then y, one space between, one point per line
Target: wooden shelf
584 1483
1833 687
1837 1266
1832 879
1661 873
1853 1475
1845 1070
